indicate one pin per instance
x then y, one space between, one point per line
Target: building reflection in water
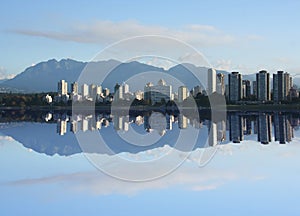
283 129
238 125
264 128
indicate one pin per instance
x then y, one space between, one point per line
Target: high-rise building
92 90
227 91
281 86
220 88
287 85
116 88
74 88
85 90
118 94
99 90
246 88
183 93
157 94
125 88
278 83
294 93
254 88
62 87
263 86
105 92
121 91
235 86
211 81
196 90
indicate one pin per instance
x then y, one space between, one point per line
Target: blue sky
233 35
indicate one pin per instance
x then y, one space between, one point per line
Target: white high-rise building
85 90
183 93
92 90
158 93
62 87
125 88
211 81
99 90
119 93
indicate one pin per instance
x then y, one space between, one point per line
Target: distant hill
43 77
3 80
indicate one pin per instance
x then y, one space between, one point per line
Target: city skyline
237 89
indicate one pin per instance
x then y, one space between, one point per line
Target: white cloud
100 184
4 139
8 138
4 74
108 31
223 64
228 65
155 61
195 58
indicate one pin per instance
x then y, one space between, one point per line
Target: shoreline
230 108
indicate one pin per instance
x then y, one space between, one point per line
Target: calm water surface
252 167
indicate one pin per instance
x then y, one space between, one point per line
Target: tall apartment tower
278 86
85 90
183 93
62 87
246 88
235 86
74 88
282 83
263 86
287 85
220 88
211 81
254 88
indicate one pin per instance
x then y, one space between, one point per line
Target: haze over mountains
43 77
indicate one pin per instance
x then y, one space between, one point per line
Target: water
241 164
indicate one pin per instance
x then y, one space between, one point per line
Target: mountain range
44 76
